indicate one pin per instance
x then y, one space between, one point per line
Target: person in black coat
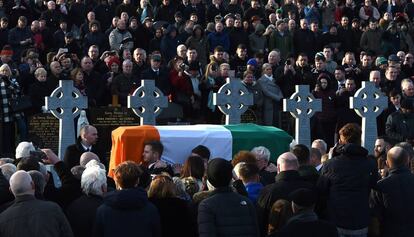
287 181
157 73
39 90
346 181
305 222
86 142
225 212
392 202
5 194
81 212
95 87
177 218
127 211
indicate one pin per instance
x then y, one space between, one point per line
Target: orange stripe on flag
128 144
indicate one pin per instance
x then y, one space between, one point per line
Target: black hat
407 104
219 172
228 16
69 35
304 197
393 58
178 14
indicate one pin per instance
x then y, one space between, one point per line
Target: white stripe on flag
178 141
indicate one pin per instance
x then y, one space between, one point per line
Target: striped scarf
5 108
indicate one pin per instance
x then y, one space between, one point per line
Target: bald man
392 201
46 218
85 142
287 181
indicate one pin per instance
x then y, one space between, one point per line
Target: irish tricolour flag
222 140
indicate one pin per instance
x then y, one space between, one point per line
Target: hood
352 150
170 28
198 27
134 198
260 28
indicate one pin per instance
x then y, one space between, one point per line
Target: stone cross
65 103
147 102
302 106
368 102
233 99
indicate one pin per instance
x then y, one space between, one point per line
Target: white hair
261 152
21 183
93 180
92 163
322 143
24 149
8 170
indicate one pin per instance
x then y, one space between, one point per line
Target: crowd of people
190 47
309 192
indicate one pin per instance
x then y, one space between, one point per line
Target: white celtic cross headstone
302 106
368 102
65 103
233 99
147 102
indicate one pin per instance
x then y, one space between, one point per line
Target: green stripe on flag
248 136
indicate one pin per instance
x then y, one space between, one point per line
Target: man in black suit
86 142
152 158
157 73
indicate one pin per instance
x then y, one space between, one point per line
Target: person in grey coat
120 37
272 96
225 212
29 216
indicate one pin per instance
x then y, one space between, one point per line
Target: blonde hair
40 71
6 67
162 186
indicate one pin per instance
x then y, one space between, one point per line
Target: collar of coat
287 175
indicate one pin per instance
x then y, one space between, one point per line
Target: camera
38 155
288 62
184 67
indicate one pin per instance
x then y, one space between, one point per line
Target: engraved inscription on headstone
233 99
65 103
302 106
44 131
147 102
368 102
107 119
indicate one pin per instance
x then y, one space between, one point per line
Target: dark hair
218 49
248 171
193 167
279 215
156 146
394 93
127 174
351 133
28 163
302 153
328 47
202 151
340 68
